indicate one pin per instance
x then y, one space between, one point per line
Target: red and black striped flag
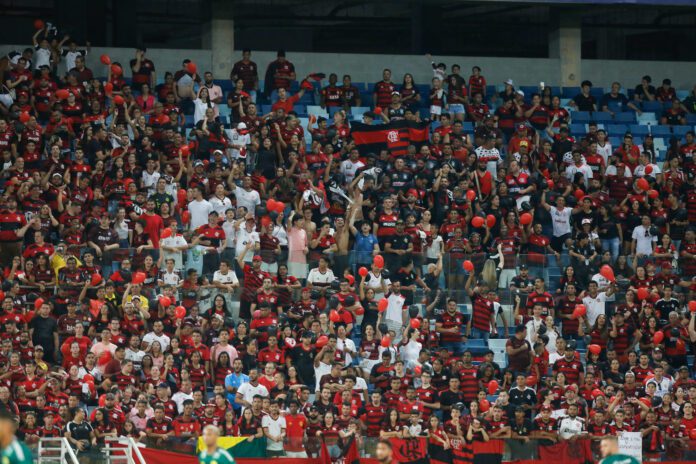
395 136
349 453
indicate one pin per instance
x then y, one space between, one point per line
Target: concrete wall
368 68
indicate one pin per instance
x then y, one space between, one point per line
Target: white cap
241 125
509 82
519 92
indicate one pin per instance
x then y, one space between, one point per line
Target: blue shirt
235 381
364 245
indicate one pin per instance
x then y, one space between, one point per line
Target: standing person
298 247
274 429
248 72
12 451
561 218
143 70
212 453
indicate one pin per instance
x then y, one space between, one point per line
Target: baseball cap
546 407
38 347
521 127
510 82
198 163
413 192
257 258
241 125
519 92
523 266
586 220
396 92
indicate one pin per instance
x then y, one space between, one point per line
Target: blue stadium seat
334 109
424 90
580 116
653 106
597 92
225 84
265 109
615 141
300 109
556 90
601 116
628 117
617 129
358 111
189 120
490 90
569 92
639 130
362 86
529 90
681 131
661 131
578 129
616 108
691 118
317 111
370 87
468 126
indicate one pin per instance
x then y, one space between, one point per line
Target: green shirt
16 453
619 459
220 456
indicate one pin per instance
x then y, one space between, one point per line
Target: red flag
567 452
324 456
410 450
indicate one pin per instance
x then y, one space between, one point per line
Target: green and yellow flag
239 447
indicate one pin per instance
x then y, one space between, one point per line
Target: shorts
435 109
298 270
456 108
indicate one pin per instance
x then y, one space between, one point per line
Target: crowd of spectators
158 278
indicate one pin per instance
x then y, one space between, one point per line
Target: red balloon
525 219
692 306
359 311
531 381
139 277
165 301
185 150
105 59
594 349
180 312
96 279
166 232
468 266
24 117
608 273
470 195
653 193
642 293
477 221
484 405
39 24
108 88
62 94
643 184
418 370
382 305
550 183
266 221
597 393
38 303
116 70
191 67
415 323
378 110
658 337
271 204
279 207
118 100
363 271
386 341
334 316
88 378
493 387
378 261
579 194
185 217
102 400
490 220
322 341
579 311
648 169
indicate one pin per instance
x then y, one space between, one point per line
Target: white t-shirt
639 171
200 108
394 311
174 241
643 239
70 57
150 180
569 427
248 391
584 169
239 140
244 237
347 343
319 371
153 337
492 158
199 212
561 220
595 306
229 278
611 171
230 233
220 205
316 277
42 56
250 200
349 168
605 152
275 427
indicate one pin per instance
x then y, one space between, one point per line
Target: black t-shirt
584 103
449 398
44 328
303 361
79 431
641 92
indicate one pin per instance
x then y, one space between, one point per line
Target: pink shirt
297 242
